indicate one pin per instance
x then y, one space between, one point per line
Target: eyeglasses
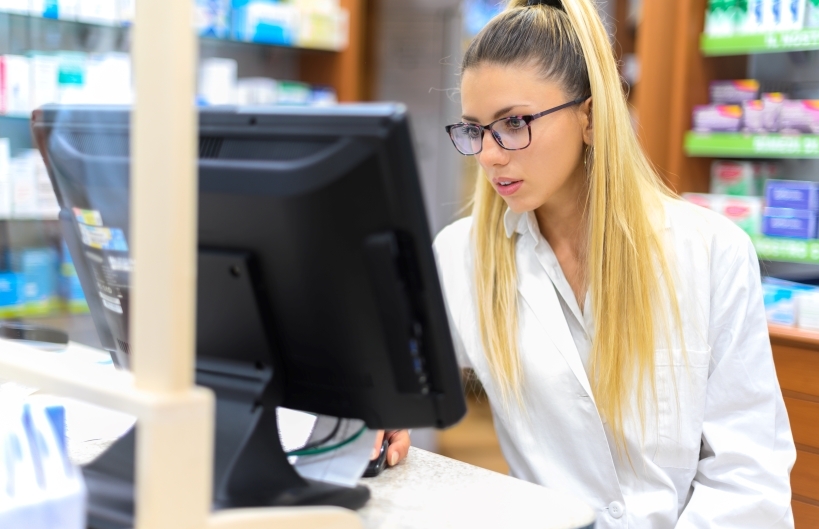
512 133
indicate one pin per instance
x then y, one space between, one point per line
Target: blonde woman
618 331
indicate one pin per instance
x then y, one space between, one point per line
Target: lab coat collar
521 223
538 291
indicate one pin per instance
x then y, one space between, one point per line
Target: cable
325 449
316 444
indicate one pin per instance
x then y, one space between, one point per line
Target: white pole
174 453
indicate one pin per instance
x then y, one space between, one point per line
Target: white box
71 79
217 81
5 188
99 11
792 14
108 79
257 91
14 6
67 9
807 310
45 69
47 205
15 85
23 185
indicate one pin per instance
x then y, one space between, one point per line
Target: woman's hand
399 445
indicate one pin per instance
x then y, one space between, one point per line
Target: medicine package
39 486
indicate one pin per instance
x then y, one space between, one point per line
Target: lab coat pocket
681 381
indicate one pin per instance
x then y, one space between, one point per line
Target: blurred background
724 95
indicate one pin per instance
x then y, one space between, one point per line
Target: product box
717 118
67 9
323 96
325 29
23 187
733 92
792 14
807 310
812 13
71 77
265 21
15 85
793 194
721 17
105 12
15 6
44 70
212 18
11 295
753 20
217 81
745 212
772 110
257 91
799 116
294 93
753 113
5 186
780 297
792 223
733 178
38 267
108 79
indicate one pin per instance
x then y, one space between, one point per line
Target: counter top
429 491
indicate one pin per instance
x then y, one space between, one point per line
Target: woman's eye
474 132
515 123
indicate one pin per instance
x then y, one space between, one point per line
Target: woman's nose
492 153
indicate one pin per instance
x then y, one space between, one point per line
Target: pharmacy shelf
787 250
793 336
769 42
739 145
124 26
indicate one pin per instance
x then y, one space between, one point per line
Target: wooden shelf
795 337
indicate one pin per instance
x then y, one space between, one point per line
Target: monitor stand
250 466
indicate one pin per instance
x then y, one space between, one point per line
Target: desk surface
431 491
428 491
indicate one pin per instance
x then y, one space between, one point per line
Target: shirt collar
521 223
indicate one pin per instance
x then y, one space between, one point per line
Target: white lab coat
717 450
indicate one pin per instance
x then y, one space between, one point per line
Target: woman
618 331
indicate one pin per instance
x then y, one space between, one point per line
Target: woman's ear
587 122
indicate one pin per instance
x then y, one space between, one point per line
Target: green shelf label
728 144
775 41
789 250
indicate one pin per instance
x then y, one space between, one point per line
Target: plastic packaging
39 486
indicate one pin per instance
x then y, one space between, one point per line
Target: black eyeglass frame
527 119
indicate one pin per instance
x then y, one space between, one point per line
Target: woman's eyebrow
497 115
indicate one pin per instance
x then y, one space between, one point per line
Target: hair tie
557 4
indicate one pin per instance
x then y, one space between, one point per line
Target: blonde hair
625 257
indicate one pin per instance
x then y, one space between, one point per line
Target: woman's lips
507 187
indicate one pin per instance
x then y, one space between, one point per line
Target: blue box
793 194
779 297
38 267
11 293
784 222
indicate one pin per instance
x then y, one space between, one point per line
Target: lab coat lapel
539 293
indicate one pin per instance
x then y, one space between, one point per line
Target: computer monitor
317 287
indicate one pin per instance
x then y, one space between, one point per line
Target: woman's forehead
488 88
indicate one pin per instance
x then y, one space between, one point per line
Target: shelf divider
742 145
767 42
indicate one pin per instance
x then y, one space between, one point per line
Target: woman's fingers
399 446
379 438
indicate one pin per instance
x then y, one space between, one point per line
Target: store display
745 212
733 92
800 116
717 118
733 178
785 222
780 297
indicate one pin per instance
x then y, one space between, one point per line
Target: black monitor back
319 213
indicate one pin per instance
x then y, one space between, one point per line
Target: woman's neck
563 223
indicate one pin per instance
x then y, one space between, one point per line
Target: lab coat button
616 509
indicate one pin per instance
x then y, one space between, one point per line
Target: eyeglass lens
510 133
